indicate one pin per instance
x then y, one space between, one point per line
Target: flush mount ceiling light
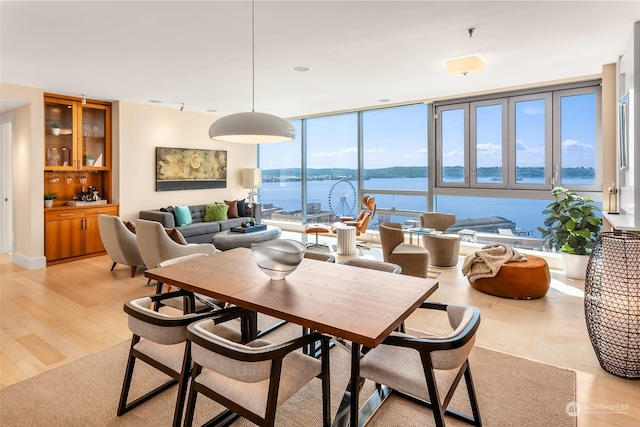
465 65
252 128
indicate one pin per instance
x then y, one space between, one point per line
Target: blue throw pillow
241 210
183 215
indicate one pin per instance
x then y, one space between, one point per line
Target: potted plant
49 197
572 227
55 128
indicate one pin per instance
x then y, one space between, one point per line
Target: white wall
28 163
138 129
629 83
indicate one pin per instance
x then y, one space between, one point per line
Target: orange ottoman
520 280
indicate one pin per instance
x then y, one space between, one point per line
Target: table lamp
251 180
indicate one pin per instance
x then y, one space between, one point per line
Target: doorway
6 172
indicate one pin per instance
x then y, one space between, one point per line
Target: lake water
525 213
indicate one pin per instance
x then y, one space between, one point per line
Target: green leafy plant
56 125
571 224
49 195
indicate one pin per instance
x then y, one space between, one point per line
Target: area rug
512 391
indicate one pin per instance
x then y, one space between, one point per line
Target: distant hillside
450 172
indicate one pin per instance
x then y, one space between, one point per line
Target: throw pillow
175 235
216 212
183 215
241 208
130 226
233 208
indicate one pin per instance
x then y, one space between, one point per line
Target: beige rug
511 391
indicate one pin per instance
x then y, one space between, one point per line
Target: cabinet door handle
101 212
65 215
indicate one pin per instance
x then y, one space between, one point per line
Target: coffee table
228 239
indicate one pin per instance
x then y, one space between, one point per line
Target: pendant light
252 128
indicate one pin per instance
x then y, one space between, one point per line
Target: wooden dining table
356 304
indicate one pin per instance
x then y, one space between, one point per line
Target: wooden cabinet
73 232
77 147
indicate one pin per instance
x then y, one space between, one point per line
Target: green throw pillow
216 212
183 215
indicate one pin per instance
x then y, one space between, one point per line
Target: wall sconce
465 65
613 199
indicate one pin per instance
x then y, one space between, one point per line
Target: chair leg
473 400
182 387
133 270
326 385
113 266
193 395
124 394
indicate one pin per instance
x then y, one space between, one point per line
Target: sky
397 137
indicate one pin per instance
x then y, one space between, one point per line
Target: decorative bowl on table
278 258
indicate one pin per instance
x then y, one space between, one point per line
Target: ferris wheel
342 198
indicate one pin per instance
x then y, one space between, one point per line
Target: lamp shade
252 128
465 65
252 178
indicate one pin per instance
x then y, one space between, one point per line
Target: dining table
355 304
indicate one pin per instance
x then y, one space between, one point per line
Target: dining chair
252 380
319 256
159 339
188 305
444 249
428 369
119 242
413 259
373 265
156 246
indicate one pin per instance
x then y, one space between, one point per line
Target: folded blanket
487 261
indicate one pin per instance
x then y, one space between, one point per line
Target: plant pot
48 203
56 131
575 266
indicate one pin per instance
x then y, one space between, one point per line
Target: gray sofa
197 232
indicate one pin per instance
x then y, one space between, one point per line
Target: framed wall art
190 169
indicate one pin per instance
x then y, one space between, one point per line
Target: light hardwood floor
56 315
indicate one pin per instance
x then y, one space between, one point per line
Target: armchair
431 368
362 221
120 243
156 246
413 259
159 340
444 249
253 380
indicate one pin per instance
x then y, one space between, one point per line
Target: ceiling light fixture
465 65
252 128
182 106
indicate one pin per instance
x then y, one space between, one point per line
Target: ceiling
360 52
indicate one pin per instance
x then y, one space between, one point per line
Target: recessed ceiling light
384 100
155 101
301 69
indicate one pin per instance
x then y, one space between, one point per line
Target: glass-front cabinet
77 134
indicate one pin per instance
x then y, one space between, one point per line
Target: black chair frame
425 346
275 355
248 323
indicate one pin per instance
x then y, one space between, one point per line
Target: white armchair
156 246
120 243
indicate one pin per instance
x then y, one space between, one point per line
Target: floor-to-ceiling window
494 161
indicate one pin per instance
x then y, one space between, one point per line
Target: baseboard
30 263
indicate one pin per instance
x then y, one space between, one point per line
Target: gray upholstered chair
373 265
430 368
413 259
160 340
200 302
253 380
444 249
119 242
319 256
156 246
